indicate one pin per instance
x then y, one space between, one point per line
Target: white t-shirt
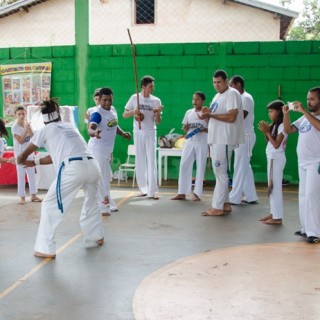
271 151
221 132
107 122
191 118
146 106
62 140
20 147
248 105
308 148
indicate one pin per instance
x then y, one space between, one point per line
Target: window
144 10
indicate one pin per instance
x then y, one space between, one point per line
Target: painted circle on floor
264 281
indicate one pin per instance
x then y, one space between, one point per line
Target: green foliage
308 27
4 3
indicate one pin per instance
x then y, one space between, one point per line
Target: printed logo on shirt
145 107
214 106
217 163
195 125
112 123
27 139
305 127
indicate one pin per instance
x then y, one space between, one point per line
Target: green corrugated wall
181 69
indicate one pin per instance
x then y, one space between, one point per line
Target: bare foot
100 242
195 197
36 199
44 255
268 217
22 200
179 197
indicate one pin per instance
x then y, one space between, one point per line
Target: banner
24 84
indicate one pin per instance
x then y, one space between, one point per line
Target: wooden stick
135 76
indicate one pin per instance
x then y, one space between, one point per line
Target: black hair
276 105
316 90
146 80
220 73
238 79
201 95
49 106
3 129
105 91
18 108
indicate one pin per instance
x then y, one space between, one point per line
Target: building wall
50 23
271 69
182 21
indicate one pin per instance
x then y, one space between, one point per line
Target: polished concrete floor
161 260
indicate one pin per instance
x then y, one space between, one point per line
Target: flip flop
44 255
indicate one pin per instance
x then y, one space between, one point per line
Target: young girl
195 149
277 139
22 134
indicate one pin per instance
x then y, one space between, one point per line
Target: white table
165 153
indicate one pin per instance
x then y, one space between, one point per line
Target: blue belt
58 186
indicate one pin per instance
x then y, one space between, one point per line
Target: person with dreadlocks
76 168
276 143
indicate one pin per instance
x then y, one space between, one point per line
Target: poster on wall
24 84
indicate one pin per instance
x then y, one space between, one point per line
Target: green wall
181 69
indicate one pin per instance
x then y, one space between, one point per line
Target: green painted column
82 44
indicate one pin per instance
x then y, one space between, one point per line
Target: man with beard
308 150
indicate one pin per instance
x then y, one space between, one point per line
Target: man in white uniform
225 131
76 168
308 150
102 130
243 179
145 136
195 149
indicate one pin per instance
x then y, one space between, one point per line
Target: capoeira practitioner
194 149
243 179
76 168
103 128
277 139
145 138
308 150
225 131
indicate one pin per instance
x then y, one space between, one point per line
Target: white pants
309 199
192 152
146 162
103 160
243 179
76 174
276 197
21 172
220 157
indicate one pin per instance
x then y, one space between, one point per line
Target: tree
4 3
308 27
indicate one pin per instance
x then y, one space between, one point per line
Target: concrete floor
87 282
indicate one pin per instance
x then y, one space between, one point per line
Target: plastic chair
129 165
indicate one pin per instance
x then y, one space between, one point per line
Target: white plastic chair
129 165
